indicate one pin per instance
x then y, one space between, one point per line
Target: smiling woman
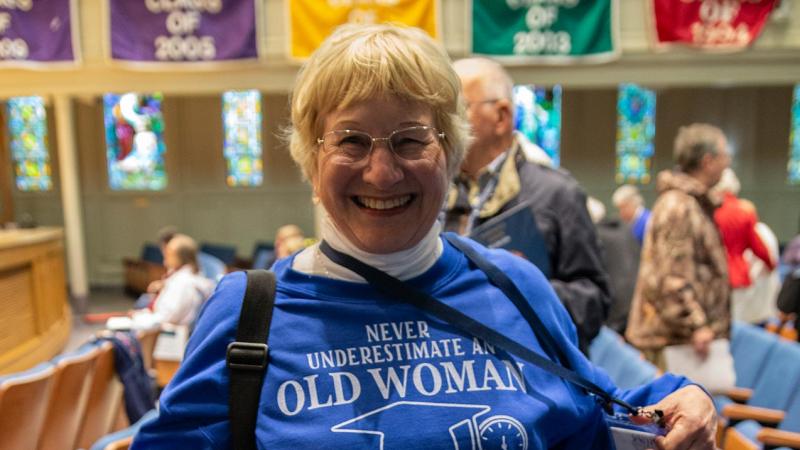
379 129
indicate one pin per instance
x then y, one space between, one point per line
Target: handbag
715 372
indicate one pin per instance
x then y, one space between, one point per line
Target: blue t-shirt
351 369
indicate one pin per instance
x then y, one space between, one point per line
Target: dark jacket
559 207
621 252
789 297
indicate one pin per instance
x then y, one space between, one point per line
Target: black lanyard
403 292
484 195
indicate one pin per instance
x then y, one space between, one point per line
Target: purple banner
170 31
36 31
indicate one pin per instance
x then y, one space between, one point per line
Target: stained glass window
27 126
135 141
538 111
241 116
636 128
794 139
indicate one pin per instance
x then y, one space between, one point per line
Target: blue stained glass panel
134 128
27 129
538 117
636 128
241 116
794 140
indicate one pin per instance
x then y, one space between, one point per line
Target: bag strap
405 293
247 358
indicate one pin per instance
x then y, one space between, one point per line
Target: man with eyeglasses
501 172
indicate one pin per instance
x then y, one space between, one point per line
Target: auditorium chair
211 267
226 253
147 341
122 439
71 384
774 390
263 255
24 397
139 273
750 347
751 435
105 400
623 363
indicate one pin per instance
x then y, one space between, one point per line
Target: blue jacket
352 370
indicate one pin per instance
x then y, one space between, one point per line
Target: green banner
549 31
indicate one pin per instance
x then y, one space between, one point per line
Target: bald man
500 173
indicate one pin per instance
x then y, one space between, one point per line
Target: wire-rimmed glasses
410 143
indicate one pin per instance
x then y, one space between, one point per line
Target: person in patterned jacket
682 294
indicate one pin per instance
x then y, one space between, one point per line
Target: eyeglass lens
410 143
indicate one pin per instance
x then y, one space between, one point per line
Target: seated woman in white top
185 288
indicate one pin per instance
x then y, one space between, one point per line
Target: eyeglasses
353 146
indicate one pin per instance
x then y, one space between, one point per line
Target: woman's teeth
374 203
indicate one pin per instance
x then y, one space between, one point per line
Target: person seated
183 290
379 129
286 240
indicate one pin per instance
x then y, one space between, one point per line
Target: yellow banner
311 21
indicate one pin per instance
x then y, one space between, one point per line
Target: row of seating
623 363
66 403
763 411
215 261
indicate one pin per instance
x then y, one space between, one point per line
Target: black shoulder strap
247 358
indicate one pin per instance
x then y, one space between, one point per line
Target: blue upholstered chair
122 439
751 346
211 267
622 362
751 434
226 253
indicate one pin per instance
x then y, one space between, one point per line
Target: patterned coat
683 276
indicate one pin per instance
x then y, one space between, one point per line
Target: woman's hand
690 416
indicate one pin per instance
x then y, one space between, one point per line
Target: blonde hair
359 62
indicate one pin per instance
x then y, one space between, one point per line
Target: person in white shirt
185 288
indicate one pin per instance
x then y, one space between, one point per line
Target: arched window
636 128
241 118
27 129
135 141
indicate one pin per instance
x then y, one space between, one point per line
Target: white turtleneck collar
405 264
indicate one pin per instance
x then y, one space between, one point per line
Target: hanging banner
710 24
169 32
38 33
311 21
546 31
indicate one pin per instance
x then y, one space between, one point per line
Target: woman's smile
390 204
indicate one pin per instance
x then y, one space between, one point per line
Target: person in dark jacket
496 176
789 299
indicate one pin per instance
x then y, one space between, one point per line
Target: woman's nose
382 169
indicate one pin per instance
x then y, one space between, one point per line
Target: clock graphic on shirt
503 433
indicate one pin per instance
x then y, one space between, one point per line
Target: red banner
710 24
